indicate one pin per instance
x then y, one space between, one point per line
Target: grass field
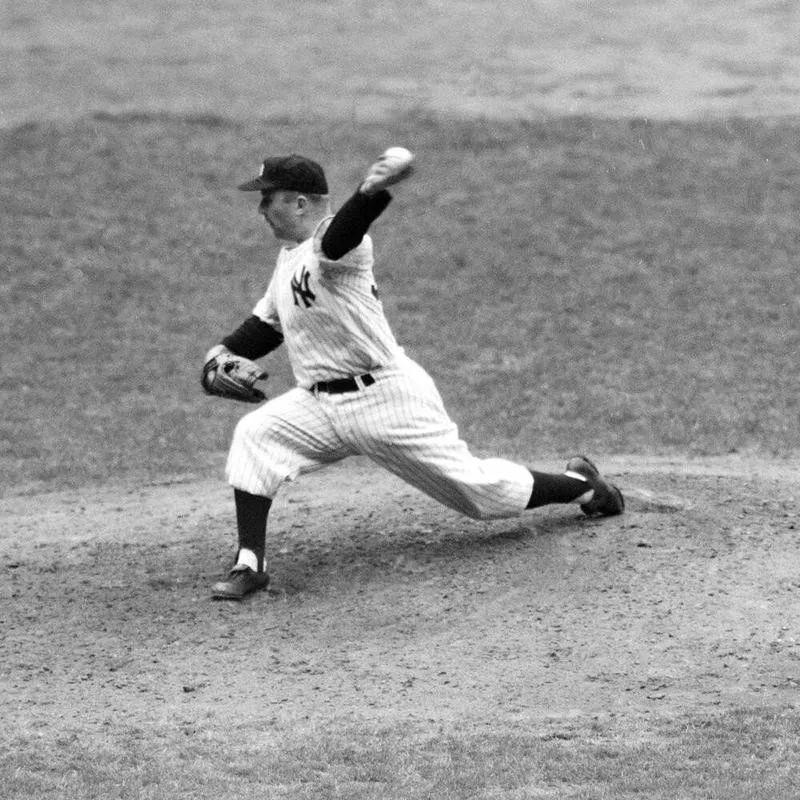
598 253
750 755
630 285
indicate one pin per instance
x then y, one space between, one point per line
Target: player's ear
301 203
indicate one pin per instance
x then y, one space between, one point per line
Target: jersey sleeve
359 258
266 309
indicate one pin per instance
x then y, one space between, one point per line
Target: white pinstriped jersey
328 312
334 327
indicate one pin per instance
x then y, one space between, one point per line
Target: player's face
279 211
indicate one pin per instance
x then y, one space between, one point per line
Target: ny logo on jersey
301 290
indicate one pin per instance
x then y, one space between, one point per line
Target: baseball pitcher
357 391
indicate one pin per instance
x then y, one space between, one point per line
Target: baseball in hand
394 165
400 155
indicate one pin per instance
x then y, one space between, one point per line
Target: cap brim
255 185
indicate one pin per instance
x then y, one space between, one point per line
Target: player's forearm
352 221
254 338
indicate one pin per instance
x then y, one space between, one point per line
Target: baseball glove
228 375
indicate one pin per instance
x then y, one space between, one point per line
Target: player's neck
307 229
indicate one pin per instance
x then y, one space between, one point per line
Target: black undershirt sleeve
253 338
352 221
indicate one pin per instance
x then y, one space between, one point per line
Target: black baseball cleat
241 581
607 500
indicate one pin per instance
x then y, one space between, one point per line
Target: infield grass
572 284
742 755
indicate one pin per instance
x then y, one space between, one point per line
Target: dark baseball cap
295 173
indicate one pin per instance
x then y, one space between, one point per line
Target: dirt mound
383 602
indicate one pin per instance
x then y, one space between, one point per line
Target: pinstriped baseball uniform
334 327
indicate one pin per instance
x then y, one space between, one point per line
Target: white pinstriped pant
399 422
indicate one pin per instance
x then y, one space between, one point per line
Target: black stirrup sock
549 488
251 520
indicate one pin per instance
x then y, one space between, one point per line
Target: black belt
342 385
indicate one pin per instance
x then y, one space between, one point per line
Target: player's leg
280 440
249 572
581 483
402 424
